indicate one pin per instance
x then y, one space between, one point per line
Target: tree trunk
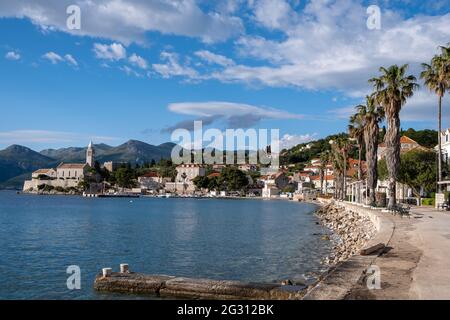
344 179
440 143
359 161
371 139
321 181
392 141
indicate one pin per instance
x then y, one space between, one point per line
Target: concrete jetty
189 288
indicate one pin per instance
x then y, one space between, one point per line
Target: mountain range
18 162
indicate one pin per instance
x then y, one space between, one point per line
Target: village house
184 181
273 184
406 145
150 181
248 167
327 186
445 146
403 192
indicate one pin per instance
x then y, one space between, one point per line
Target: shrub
428 201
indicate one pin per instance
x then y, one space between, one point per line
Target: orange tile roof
150 175
214 175
315 178
405 139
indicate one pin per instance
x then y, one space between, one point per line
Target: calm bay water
248 240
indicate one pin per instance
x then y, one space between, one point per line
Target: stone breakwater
351 232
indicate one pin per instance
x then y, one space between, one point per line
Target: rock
287 283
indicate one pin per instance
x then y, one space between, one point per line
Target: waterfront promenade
417 262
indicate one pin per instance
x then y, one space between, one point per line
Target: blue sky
138 68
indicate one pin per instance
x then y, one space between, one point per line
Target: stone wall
340 279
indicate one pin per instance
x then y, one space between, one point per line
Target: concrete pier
188 288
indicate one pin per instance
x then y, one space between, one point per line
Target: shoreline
349 233
340 279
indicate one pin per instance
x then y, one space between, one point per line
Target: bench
402 210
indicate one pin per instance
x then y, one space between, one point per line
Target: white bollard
106 272
124 268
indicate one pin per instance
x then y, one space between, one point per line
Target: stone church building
66 175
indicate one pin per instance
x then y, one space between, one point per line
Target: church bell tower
90 155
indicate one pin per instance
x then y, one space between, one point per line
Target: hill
303 153
17 162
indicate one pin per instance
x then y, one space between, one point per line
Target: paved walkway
417 262
431 278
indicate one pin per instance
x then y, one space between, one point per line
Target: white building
445 145
74 171
273 184
66 175
186 173
44 173
184 181
150 181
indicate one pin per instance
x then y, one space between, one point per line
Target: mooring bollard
106 272
124 268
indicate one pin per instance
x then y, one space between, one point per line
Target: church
66 175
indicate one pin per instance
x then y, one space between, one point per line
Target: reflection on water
251 240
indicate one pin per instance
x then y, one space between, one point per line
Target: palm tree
392 89
337 163
356 131
437 78
324 159
322 168
371 115
340 147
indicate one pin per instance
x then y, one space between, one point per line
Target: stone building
66 175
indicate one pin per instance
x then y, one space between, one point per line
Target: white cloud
127 21
53 57
214 108
288 141
130 71
172 67
423 106
213 58
71 60
113 52
343 113
327 46
46 136
138 61
235 115
12 55
272 14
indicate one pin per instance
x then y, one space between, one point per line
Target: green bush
428 201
